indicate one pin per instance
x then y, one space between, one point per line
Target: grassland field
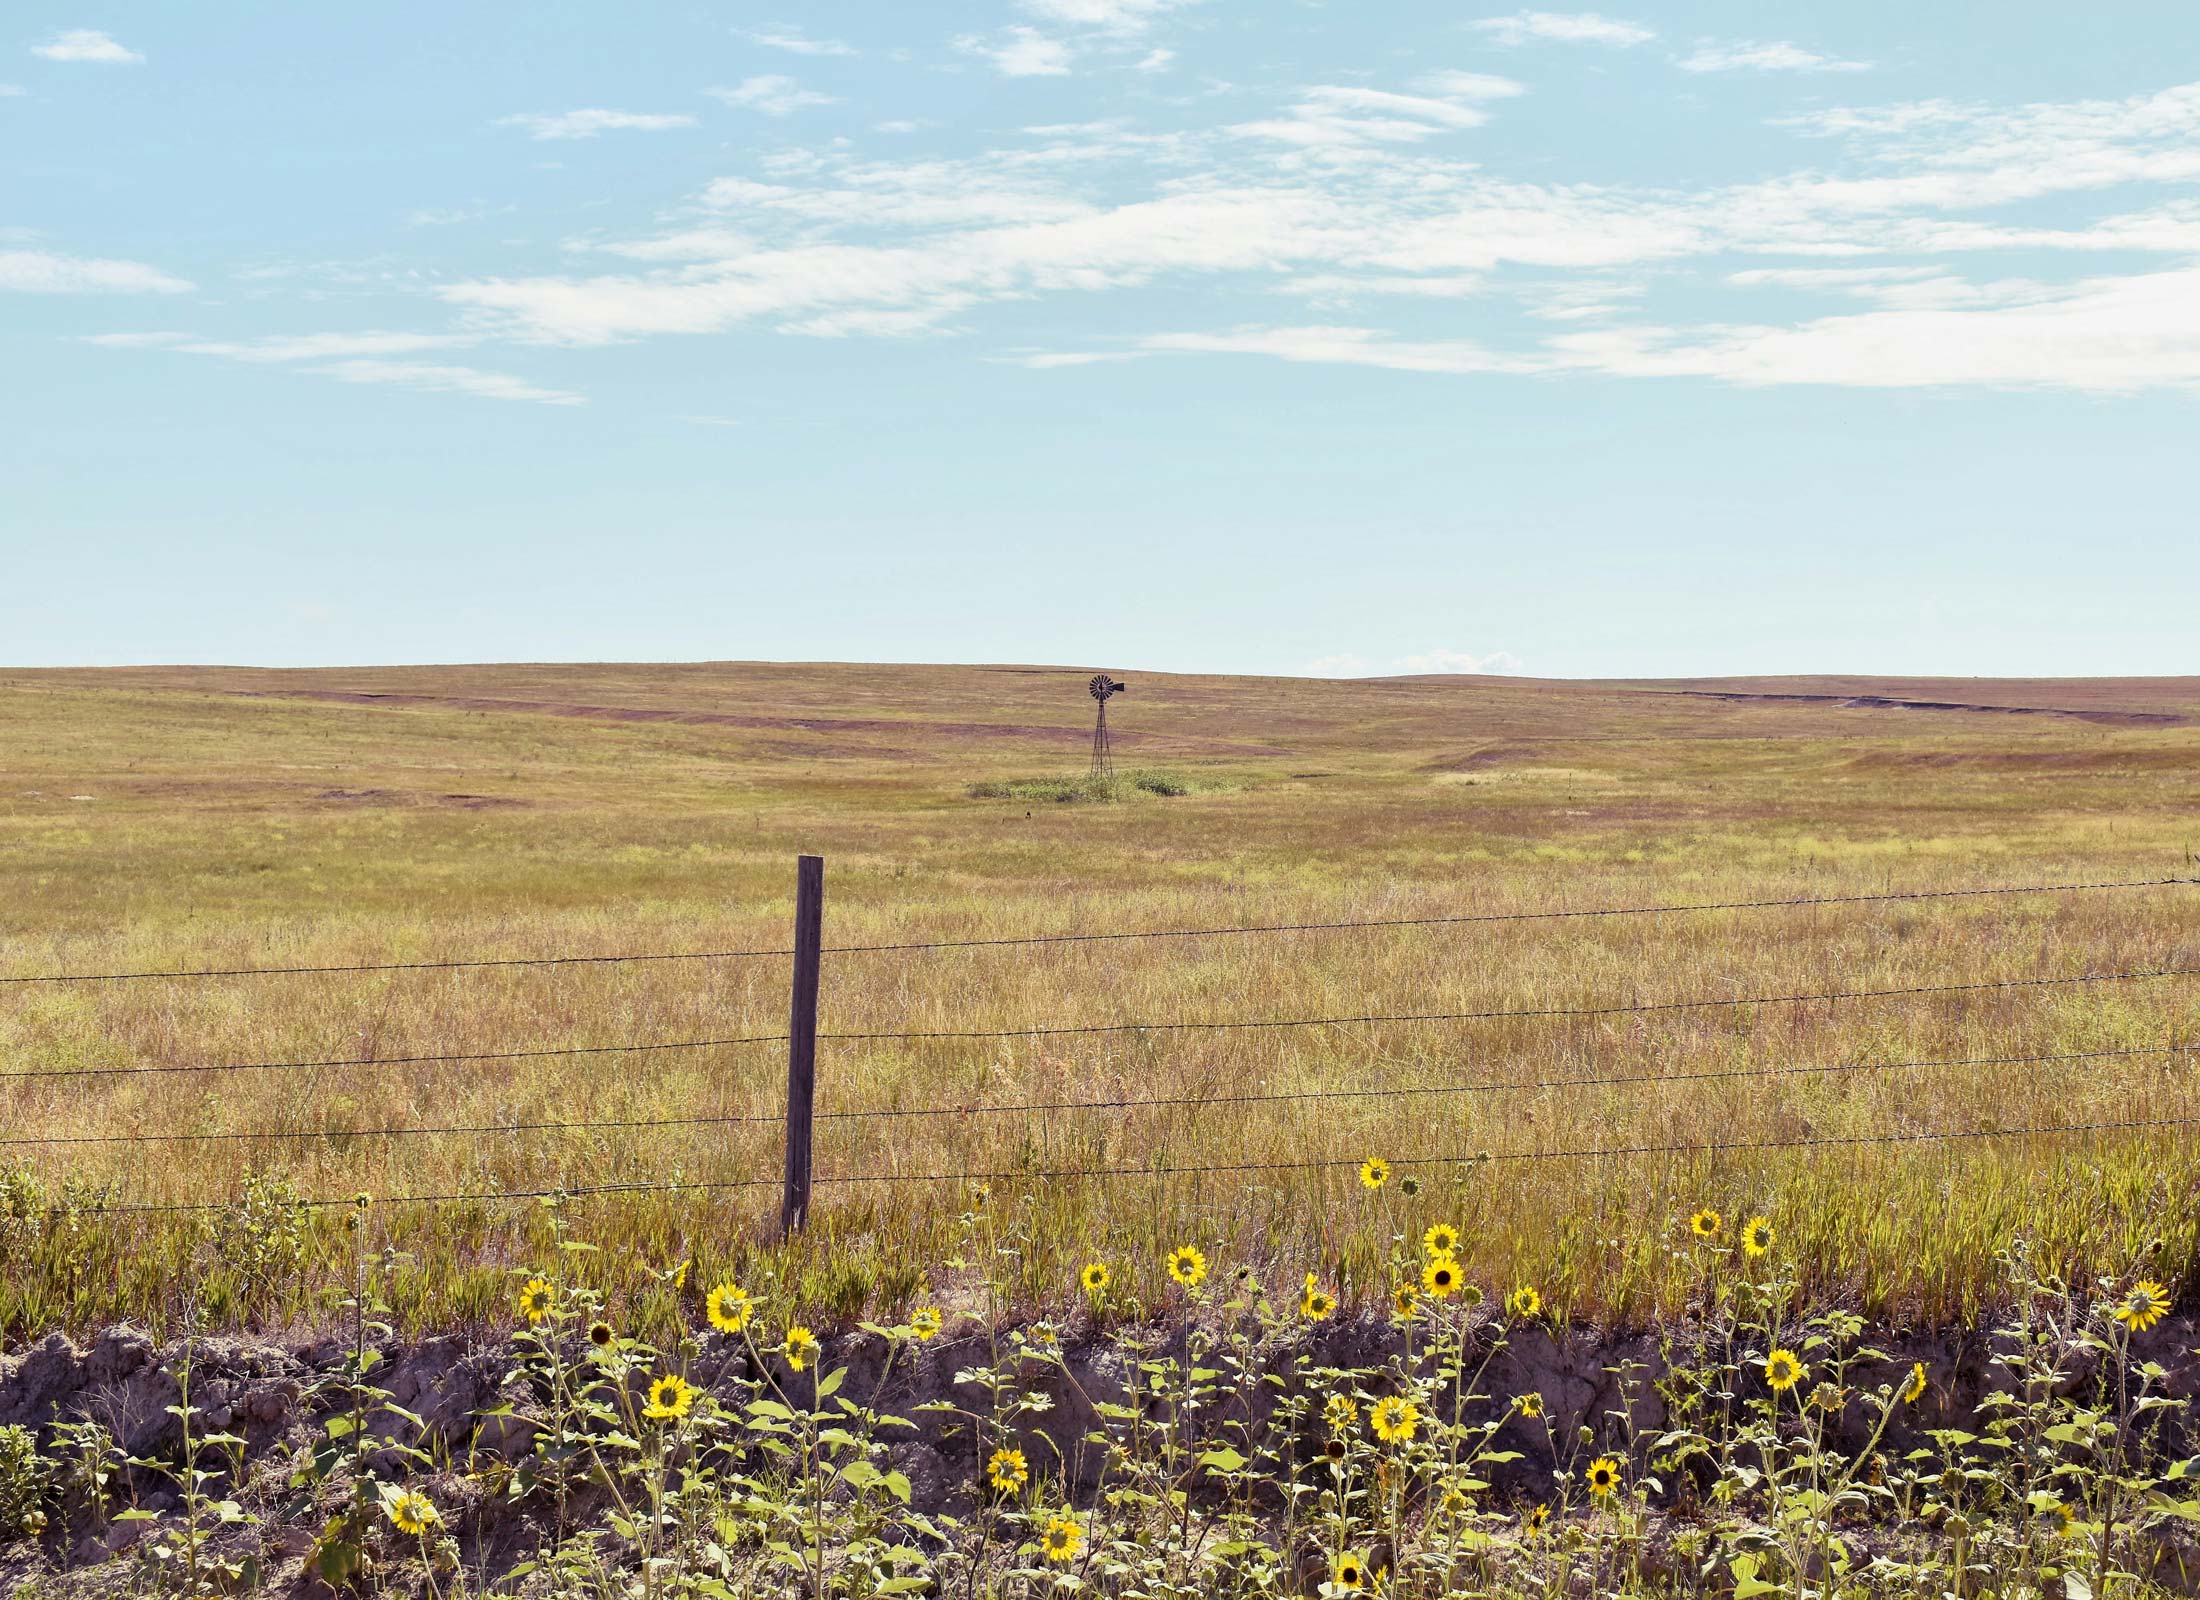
160 819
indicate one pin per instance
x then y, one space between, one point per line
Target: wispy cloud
10 91
1773 56
1021 53
86 44
356 358
1125 16
42 272
1565 27
1350 664
1155 60
795 42
772 93
592 122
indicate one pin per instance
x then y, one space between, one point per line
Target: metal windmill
1101 689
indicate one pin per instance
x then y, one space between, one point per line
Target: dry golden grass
156 819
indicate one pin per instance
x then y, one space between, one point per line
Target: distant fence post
809 927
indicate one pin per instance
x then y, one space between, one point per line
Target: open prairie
213 818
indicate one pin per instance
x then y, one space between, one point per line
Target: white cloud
1123 16
355 358
1348 120
1345 665
85 44
1156 60
1457 661
42 272
1348 664
1565 27
589 123
1358 194
795 42
450 380
772 93
1021 53
708 421
1775 56
1470 85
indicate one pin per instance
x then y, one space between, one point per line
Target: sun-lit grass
162 820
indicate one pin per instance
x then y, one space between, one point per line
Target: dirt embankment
468 1405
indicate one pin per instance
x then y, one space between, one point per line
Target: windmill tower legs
1103 761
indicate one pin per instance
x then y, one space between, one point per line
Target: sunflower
1914 1390
1316 1303
1706 1224
410 1512
1187 1265
925 1322
1394 1419
1441 1239
1374 1172
1603 1476
1405 1303
1783 1370
1523 1302
729 1307
2143 1305
1348 1572
1094 1277
1756 1236
535 1297
1007 1471
1341 1411
670 1398
680 1272
1441 1278
600 1335
801 1347
1531 1404
1533 1524
1062 1540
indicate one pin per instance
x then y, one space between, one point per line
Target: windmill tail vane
1102 688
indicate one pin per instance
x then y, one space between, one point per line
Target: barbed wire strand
393 1061
1525 1012
1531 1013
1494 1086
583 1192
1464 919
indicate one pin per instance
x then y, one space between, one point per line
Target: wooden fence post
809 928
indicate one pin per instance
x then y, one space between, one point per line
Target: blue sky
1155 334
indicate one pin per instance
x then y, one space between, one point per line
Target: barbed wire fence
800 1115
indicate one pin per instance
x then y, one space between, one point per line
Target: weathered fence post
809 927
